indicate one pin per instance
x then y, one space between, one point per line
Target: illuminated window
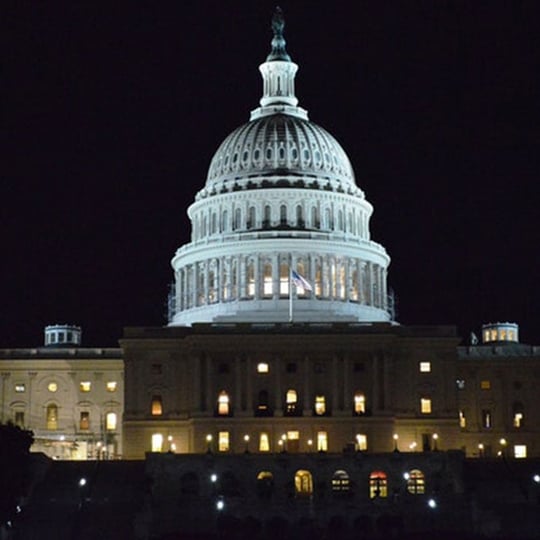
223 441
361 442
268 286
486 418
303 483
517 409
265 484
485 385
157 442
320 405
84 422
425 406
111 386
52 416
85 386
52 387
262 367
462 420
378 484
425 367
359 403
251 279
341 481
20 387
157 405
322 441
520 451
110 421
416 483
223 404
264 442
291 402
283 279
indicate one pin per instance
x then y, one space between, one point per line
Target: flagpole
290 297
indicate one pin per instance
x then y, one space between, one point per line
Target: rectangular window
111 386
157 406
262 367
20 387
110 421
84 422
157 442
425 405
264 442
359 403
462 420
361 442
425 367
322 441
486 418
485 385
520 451
19 418
320 405
223 441
518 420
85 386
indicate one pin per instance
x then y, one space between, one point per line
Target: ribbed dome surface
280 144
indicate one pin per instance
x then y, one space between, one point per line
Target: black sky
112 112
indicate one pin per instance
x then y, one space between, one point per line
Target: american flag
300 281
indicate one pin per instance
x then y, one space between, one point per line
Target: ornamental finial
278 51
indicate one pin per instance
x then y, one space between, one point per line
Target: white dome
280 198
276 146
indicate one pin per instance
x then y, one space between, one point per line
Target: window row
84 386
486 417
110 420
263 407
377 484
275 217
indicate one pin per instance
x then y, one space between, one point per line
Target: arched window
224 221
237 219
157 405
378 484
224 408
303 483
416 483
300 217
315 218
267 221
264 442
340 220
283 214
111 421
265 484
251 218
341 482
291 402
359 403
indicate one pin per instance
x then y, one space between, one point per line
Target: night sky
112 112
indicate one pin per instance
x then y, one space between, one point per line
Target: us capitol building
281 339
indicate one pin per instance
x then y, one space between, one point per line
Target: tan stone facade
71 398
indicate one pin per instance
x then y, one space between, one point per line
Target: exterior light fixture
412 446
432 503
246 440
82 482
173 447
406 476
480 449
213 478
536 478
209 443
396 438
435 437
310 444
220 505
